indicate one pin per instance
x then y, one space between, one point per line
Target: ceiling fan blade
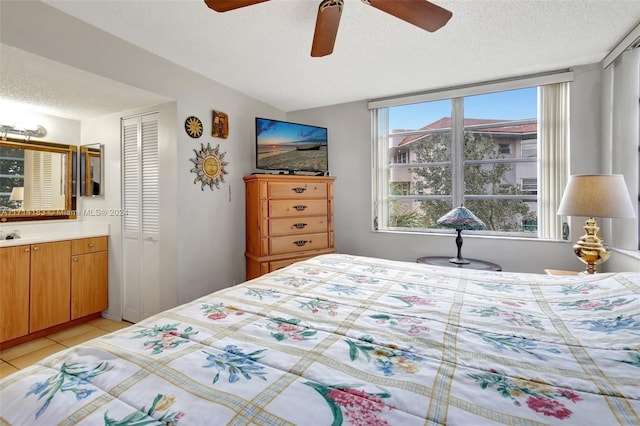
327 22
227 5
420 13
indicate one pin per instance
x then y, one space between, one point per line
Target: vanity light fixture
38 132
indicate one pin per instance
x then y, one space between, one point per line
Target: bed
351 340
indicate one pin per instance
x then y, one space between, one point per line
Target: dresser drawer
298 243
279 264
295 225
89 245
297 208
297 190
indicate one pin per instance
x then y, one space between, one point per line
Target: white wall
350 154
203 231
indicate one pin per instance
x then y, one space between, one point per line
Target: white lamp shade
596 196
17 193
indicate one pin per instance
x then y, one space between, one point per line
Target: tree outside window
485 168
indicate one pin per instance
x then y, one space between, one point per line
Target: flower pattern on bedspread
218 311
540 397
145 417
385 359
514 344
359 407
72 378
164 337
513 317
347 340
413 325
612 325
597 304
236 363
288 329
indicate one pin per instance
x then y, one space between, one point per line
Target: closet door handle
298 190
300 208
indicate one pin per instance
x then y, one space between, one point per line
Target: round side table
473 263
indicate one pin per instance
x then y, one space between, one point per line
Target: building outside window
479 150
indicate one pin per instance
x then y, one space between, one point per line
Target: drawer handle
299 225
300 207
301 243
298 190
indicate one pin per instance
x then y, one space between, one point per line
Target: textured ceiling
264 50
28 81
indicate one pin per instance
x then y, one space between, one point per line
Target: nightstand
560 272
473 263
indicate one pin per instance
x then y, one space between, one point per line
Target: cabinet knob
26 249
90 245
36 248
75 259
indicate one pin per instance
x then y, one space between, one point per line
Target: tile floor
21 356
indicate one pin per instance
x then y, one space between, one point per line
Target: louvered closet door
141 224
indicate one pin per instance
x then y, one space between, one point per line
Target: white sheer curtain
553 131
621 124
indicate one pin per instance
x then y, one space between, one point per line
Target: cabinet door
89 284
14 292
50 284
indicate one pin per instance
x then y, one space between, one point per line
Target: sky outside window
510 105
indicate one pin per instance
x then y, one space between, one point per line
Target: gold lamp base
590 249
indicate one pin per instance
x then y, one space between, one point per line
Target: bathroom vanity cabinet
45 287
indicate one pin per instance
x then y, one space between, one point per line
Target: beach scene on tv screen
290 146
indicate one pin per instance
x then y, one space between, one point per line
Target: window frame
381 196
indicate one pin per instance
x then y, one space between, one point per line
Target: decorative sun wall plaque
193 126
220 127
209 166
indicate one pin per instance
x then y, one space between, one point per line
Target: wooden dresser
289 218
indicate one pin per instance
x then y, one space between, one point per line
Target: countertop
47 237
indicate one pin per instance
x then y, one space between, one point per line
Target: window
11 175
530 185
401 157
479 150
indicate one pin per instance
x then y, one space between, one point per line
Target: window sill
635 254
472 235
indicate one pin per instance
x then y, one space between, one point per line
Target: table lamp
460 219
595 196
17 195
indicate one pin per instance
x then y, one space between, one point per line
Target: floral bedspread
351 340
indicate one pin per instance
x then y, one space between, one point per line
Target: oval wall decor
193 126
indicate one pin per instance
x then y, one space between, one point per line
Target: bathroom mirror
91 170
37 180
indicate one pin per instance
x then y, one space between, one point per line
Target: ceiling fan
420 13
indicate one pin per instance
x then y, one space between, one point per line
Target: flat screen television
290 147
